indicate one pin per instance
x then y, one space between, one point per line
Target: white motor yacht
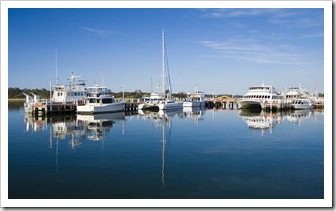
302 103
100 100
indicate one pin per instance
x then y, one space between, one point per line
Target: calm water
187 154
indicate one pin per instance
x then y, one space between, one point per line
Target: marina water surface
183 154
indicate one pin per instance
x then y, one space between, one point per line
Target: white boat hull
247 104
171 105
301 107
193 104
148 106
105 108
301 104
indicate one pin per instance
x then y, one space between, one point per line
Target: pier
43 109
46 109
222 103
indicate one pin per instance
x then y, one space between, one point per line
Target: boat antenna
151 85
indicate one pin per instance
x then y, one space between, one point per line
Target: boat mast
163 65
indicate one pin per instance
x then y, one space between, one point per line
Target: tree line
17 93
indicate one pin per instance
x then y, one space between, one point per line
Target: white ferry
258 96
100 100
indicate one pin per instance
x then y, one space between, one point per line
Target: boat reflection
75 129
98 126
35 123
260 120
195 113
296 117
266 121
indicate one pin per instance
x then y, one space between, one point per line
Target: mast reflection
162 120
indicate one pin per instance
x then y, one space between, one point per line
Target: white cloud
252 51
102 33
235 13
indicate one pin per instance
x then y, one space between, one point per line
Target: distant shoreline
16 99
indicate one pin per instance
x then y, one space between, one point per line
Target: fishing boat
73 93
196 99
168 102
100 100
258 96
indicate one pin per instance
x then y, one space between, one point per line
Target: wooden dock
224 104
69 108
45 109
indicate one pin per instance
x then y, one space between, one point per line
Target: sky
219 50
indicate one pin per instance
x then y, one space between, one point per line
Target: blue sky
220 50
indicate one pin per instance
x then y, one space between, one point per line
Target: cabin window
93 100
107 100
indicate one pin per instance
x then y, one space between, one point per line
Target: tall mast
56 69
315 95
163 64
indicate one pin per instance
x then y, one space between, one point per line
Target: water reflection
163 121
296 117
98 126
266 121
194 112
79 128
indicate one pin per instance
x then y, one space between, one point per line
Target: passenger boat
302 103
100 100
258 96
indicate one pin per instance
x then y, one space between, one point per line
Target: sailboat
163 100
168 102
